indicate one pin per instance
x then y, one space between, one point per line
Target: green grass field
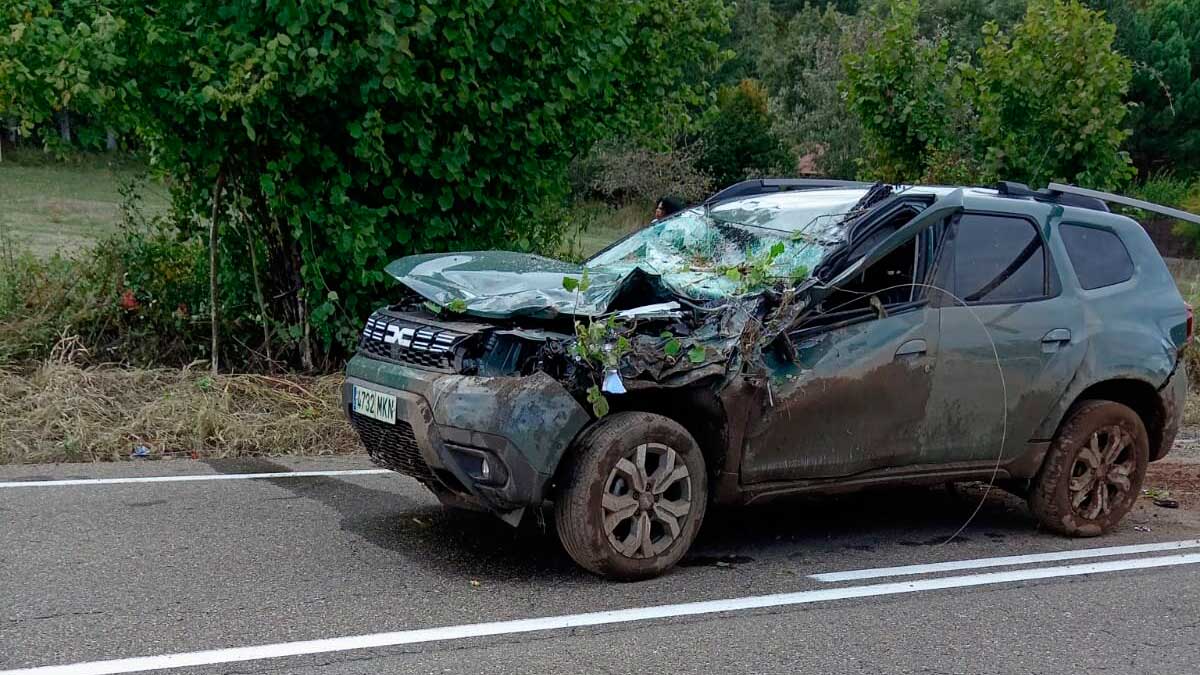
57 207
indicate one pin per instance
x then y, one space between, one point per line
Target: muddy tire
1093 472
633 496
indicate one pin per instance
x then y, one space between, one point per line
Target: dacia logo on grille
399 336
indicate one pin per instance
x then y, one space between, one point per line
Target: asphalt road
96 572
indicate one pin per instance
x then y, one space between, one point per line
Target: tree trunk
213 292
64 126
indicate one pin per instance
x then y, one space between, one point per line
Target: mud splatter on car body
810 336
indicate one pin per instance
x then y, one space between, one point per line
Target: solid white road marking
185 478
1005 561
422 635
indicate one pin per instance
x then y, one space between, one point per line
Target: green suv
784 337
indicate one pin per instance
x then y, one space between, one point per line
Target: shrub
738 140
619 172
899 90
803 69
337 136
1049 98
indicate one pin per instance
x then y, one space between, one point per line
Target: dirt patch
64 413
1179 481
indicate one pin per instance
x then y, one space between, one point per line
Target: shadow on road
460 544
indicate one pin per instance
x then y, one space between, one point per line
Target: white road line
185 478
423 635
978 563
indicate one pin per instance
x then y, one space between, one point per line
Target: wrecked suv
785 337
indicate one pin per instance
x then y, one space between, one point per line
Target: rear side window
998 259
1099 257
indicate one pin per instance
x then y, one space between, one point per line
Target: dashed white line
423 635
1005 561
185 478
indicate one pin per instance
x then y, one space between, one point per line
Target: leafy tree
898 87
58 58
1163 40
803 71
737 138
329 138
961 22
1049 98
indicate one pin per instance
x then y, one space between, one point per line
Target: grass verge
62 206
60 412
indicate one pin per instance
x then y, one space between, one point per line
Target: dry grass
60 412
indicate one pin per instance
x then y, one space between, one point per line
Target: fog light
481 466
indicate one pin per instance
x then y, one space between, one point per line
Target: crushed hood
503 284
686 256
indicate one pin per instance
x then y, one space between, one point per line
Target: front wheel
1094 470
633 496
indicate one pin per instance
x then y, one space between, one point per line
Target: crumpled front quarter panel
534 413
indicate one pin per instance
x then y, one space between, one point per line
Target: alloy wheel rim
1102 474
647 501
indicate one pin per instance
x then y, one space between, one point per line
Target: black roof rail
1008 188
758 186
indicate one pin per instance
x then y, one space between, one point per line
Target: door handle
912 348
1057 335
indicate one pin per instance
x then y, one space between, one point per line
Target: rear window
998 259
1098 256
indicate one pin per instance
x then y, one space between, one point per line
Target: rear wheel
633 496
1094 470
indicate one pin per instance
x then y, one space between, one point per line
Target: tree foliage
1043 101
897 88
1163 40
350 133
802 68
1049 98
57 57
738 140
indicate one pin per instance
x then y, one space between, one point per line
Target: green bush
801 65
737 139
1043 103
1049 98
899 88
1162 38
343 135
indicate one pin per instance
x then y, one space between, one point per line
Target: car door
854 396
1010 307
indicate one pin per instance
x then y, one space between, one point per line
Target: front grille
390 338
392 446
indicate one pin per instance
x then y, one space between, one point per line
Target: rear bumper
446 424
1174 396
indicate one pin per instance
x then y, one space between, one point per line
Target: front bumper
444 422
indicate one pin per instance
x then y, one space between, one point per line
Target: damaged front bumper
490 443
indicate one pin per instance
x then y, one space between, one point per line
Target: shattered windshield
707 255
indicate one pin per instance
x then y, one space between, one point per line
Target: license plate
375 404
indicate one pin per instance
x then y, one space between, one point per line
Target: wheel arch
697 409
1140 396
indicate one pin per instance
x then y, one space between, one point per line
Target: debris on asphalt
1167 503
1142 528
475 583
